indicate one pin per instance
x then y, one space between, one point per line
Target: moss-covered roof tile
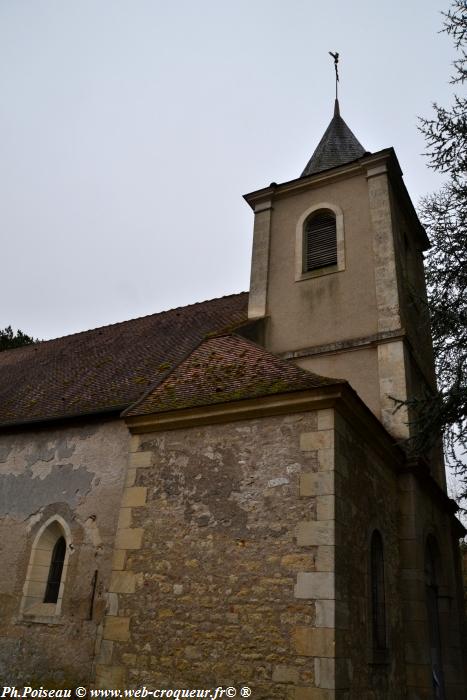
223 369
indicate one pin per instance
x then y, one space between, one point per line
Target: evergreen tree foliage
444 215
10 340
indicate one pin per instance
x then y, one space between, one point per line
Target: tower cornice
374 164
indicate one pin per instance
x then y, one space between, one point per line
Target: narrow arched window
319 240
55 571
48 565
378 598
431 584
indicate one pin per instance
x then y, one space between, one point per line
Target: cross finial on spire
336 61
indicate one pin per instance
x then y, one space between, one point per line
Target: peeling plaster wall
76 472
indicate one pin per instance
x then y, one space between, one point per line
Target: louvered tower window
320 241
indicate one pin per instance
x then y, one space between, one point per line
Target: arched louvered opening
431 584
55 571
378 596
319 240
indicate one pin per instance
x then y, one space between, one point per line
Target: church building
220 495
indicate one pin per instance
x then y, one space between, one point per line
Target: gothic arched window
319 240
48 564
378 598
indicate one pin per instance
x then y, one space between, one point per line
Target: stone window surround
376 656
32 608
300 243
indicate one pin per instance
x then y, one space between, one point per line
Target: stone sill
43 614
319 272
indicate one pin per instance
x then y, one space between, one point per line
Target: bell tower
337 274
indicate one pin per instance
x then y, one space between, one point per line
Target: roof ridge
291 376
158 382
128 320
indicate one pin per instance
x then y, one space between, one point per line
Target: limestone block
129 538
134 496
325 673
315 584
110 677
118 559
325 558
105 652
326 419
317 440
313 641
325 613
139 460
112 603
130 477
325 507
36 588
122 582
326 459
285 674
298 562
124 518
117 628
260 262
313 532
316 483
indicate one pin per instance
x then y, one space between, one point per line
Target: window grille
320 241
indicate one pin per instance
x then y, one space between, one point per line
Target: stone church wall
421 518
223 569
366 500
75 473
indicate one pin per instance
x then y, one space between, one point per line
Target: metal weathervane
336 61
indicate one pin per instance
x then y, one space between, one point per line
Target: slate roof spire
337 146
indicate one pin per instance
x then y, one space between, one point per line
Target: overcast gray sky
130 130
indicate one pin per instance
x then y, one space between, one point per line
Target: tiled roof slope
107 368
338 146
223 369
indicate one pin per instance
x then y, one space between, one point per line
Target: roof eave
301 183
339 394
47 421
